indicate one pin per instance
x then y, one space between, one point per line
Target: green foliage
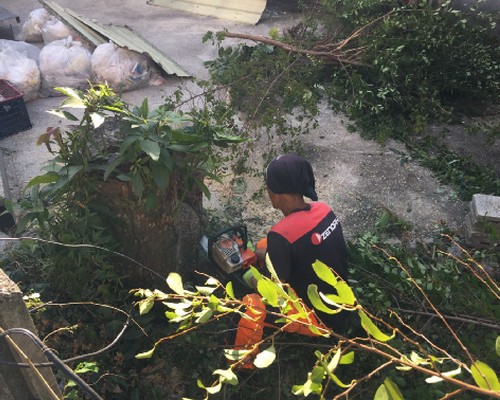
394 340
71 391
417 63
267 86
148 149
460 172
421 64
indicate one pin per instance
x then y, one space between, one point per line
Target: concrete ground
358 178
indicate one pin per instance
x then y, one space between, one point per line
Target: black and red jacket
301 238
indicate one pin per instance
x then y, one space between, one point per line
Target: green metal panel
246 11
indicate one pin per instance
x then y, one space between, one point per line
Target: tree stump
163 239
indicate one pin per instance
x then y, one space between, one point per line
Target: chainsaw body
229 249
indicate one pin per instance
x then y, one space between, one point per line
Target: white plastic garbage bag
55 29
30 50
122 69
20 71
32 27
64 63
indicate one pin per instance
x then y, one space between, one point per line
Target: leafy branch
192 309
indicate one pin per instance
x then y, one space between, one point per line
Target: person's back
308 231
301 238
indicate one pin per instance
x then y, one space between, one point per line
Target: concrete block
486 207
482 223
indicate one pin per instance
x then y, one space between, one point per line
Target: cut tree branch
329 52
335 55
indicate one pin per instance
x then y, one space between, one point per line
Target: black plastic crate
13 113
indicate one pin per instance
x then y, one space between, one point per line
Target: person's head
289 177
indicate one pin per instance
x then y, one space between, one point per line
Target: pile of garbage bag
50 54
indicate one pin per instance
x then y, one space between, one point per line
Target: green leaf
317 374
85 367
393 389
204 316
324 273
75 98
71 384
174 282
152 149
129 140
63 114
265 358
339 383
182 305
179 148
211 389
269 291
143 111
372 329
388 391
72 170
211 281
297 390
166 159
347 358
41 179
234 355
484 376
345 293
112 166
313 295
230 290
146 305
205 290
161 175
334 362
497 346
171 316
97 119
270 268
227 376
146 354
435 379
203 187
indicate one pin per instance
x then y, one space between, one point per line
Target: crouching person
308 231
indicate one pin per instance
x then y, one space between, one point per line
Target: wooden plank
245 11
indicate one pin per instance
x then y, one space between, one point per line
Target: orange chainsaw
230 249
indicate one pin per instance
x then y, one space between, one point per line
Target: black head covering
292 174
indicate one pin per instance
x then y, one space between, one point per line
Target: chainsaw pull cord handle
241 229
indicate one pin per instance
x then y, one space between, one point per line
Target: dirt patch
360 179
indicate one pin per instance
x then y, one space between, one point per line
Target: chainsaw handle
241 229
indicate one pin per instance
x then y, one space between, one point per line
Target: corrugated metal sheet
123 36
91 35
246 11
